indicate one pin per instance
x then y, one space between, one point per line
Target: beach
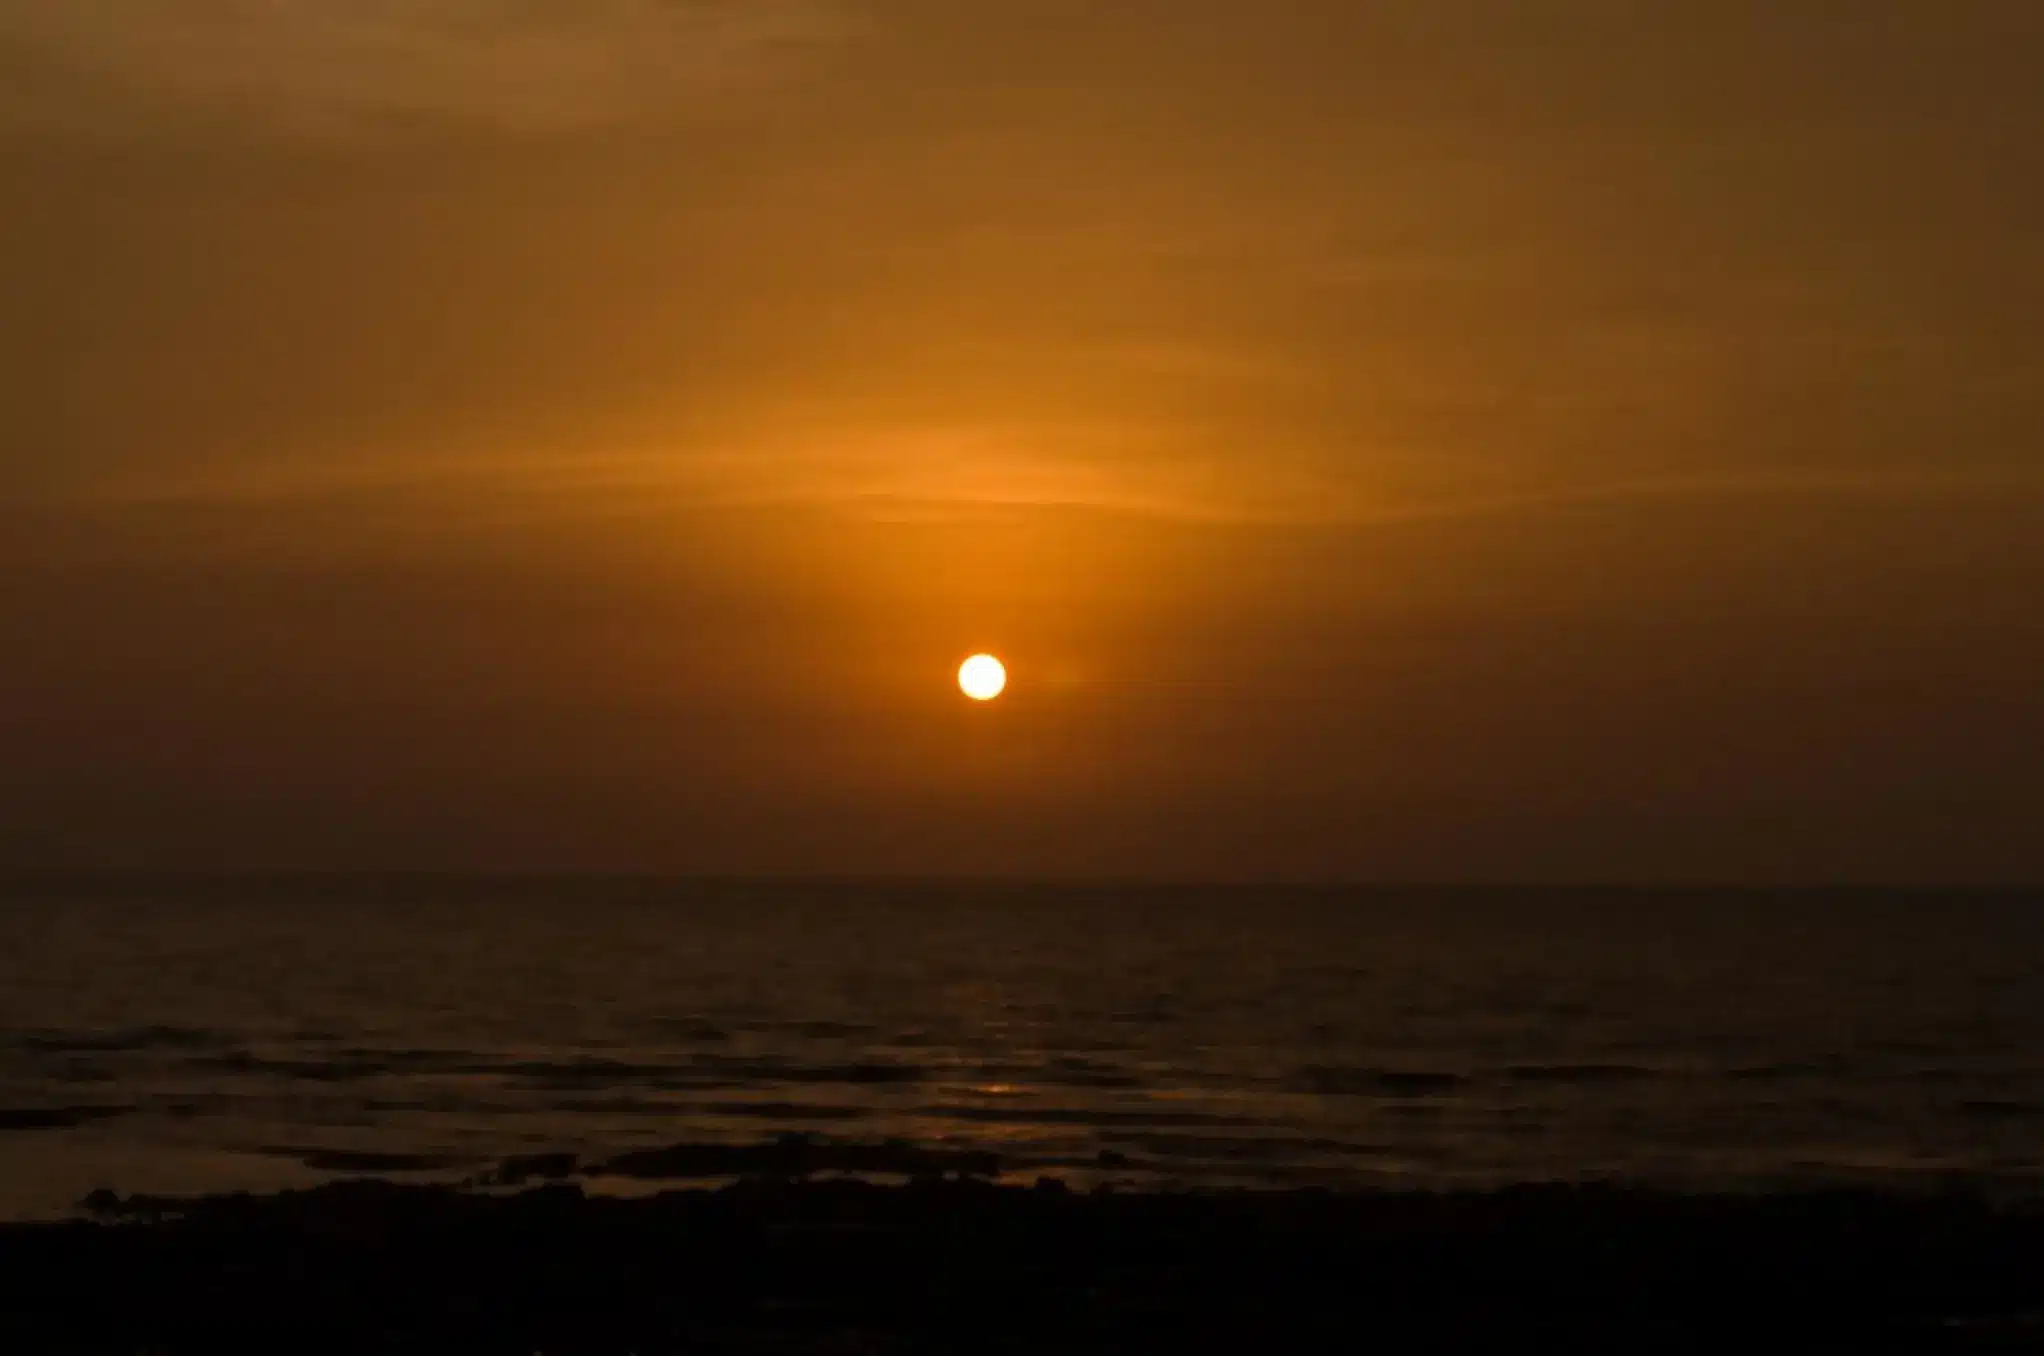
777 1264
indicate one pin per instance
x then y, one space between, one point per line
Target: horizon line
15 880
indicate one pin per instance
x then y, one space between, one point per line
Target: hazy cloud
1582 438
339 66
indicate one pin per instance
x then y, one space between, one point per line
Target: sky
1469 440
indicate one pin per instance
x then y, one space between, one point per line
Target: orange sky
1462 440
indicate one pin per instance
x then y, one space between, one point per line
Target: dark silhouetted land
784 1264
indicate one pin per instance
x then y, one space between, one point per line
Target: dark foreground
957 1265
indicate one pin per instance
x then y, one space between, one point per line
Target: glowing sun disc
982 678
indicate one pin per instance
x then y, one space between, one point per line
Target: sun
982 677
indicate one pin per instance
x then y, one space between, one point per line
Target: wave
1234 1149
1580 1074
245 1063
619 1106
690 1030
703 1072
865 1072
811 1030
59 1118
116 1041
782 1111
1772 1073
1067 1071
547 1075
1327 1080
1099 1119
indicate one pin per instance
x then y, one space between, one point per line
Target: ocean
181 1038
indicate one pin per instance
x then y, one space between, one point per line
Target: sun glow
982 678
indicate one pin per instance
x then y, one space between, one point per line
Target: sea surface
180 1038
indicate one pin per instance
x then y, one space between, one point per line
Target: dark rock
360 1161
101 1202
518 1171
797 1156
